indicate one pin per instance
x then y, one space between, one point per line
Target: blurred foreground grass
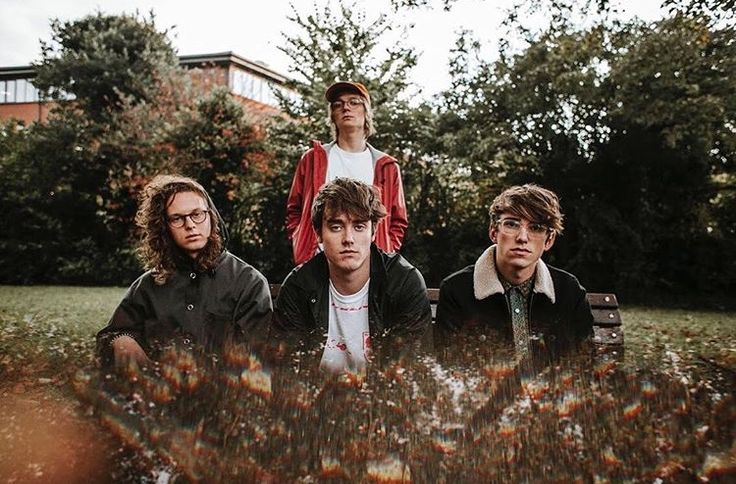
667 418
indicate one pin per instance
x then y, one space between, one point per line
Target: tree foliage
133 114
104 60
632 125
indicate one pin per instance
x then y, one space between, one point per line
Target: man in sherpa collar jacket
510 293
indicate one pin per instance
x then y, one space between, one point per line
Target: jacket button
314 300
190 307
517 310
193 275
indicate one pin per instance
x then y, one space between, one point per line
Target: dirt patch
44 435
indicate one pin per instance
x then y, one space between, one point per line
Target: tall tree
338 42
104 61
116 83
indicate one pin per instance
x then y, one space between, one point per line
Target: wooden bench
607 327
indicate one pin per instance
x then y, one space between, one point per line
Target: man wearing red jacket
349 155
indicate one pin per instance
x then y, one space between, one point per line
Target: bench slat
602 300
606 317
608 336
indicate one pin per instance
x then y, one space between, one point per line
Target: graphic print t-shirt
348 343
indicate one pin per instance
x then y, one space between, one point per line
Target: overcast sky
253 28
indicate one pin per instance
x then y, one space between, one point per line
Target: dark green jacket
231 300
398 312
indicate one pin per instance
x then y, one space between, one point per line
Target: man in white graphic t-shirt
350 156
353 294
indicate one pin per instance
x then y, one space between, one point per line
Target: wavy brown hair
352 197
529 201
157 250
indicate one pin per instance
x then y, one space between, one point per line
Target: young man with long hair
194 291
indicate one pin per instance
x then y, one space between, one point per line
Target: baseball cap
346 86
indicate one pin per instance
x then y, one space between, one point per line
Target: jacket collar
318 287
486 282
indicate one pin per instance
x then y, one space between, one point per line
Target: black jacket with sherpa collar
472 300
398 312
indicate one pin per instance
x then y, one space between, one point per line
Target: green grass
699 341
58 323
48 331
83 310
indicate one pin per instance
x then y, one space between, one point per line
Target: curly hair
157 250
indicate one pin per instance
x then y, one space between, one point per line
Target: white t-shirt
348 345
341 163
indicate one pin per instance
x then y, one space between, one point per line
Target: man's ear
550 240
318 233
373 230
492 233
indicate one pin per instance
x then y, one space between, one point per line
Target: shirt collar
487 283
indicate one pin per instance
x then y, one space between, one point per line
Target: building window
253 87
18 91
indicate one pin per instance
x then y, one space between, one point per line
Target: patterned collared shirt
518 301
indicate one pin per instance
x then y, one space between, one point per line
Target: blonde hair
368 127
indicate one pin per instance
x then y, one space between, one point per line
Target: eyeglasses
198 216
512 226
353 102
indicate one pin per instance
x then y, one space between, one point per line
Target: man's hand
127 351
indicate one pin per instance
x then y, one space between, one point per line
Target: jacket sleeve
291 314
583 318
397 210
449 316
413 314
296 196
254 308
128 319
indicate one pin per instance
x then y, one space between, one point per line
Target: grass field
59 322
47 335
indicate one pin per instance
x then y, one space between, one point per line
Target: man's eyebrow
333 221
188 213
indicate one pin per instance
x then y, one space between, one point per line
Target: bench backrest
606 317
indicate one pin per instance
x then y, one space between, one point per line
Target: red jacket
310 176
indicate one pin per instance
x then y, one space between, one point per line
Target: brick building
251 83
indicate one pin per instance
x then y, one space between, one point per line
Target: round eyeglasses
353 102
198 216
